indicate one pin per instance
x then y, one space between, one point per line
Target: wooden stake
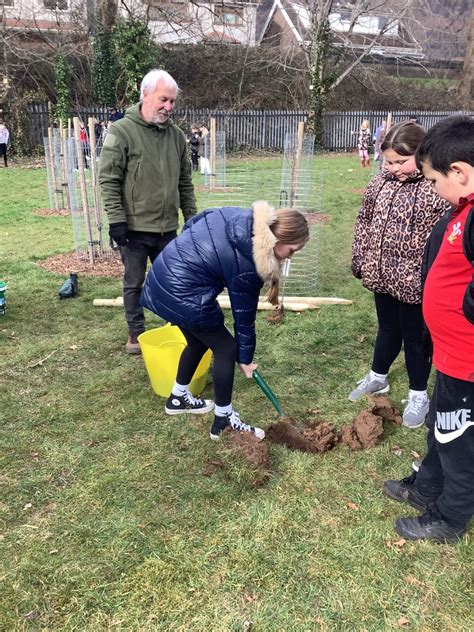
83 187
65 167
213 152
95 188
52 166
295 170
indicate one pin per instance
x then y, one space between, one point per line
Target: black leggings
3 152
400 322
224 348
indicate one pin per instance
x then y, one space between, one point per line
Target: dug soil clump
253 453
382 406
364 432
320 436
315 437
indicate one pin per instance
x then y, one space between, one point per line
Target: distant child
364 141
234 248
399 210
4 140
443 488
379 137
194 143
203 151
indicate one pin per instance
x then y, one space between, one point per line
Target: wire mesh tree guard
293 183
72 154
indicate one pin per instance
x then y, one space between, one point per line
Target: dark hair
403 138
450 140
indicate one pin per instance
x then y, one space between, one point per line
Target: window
231 16
55 5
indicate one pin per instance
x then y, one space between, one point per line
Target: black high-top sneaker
178 404
232 420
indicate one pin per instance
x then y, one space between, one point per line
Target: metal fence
255 129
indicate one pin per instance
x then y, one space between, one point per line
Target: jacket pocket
135 184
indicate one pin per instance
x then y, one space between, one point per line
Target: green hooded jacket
145 174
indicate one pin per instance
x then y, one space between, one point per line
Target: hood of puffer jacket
263 241
133 113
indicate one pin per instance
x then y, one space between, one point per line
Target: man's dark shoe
428 527
405 492
132 346
178 404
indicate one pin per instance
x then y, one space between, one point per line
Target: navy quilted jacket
214 251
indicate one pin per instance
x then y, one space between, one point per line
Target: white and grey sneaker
417 407
178 404
233 421
369 386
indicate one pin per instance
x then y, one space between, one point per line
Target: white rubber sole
382 390
260 436
422 423
190 411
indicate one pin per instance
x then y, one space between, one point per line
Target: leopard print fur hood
391 231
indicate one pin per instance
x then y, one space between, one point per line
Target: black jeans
400 322
224 348
141 247
447 471
3 152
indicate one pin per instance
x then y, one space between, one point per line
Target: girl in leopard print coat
399 210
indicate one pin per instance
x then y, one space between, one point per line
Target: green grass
112 520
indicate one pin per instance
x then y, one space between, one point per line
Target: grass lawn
112 517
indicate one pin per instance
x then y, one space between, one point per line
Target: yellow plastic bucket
161 351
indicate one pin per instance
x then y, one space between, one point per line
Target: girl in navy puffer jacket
234 248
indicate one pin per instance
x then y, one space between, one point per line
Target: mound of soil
253 451
320 437
52 212
364 432
68 262
382 406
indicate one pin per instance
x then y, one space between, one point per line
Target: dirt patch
317 218
52 212
253 452
322 435
68 262
358 191
381 405
319 437
364 432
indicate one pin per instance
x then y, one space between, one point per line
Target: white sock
222 411
378 376
180 389
423 394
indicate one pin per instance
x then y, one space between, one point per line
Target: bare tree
467 88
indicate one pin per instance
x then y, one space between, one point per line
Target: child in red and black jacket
443 488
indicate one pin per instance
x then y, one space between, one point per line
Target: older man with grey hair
145 178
